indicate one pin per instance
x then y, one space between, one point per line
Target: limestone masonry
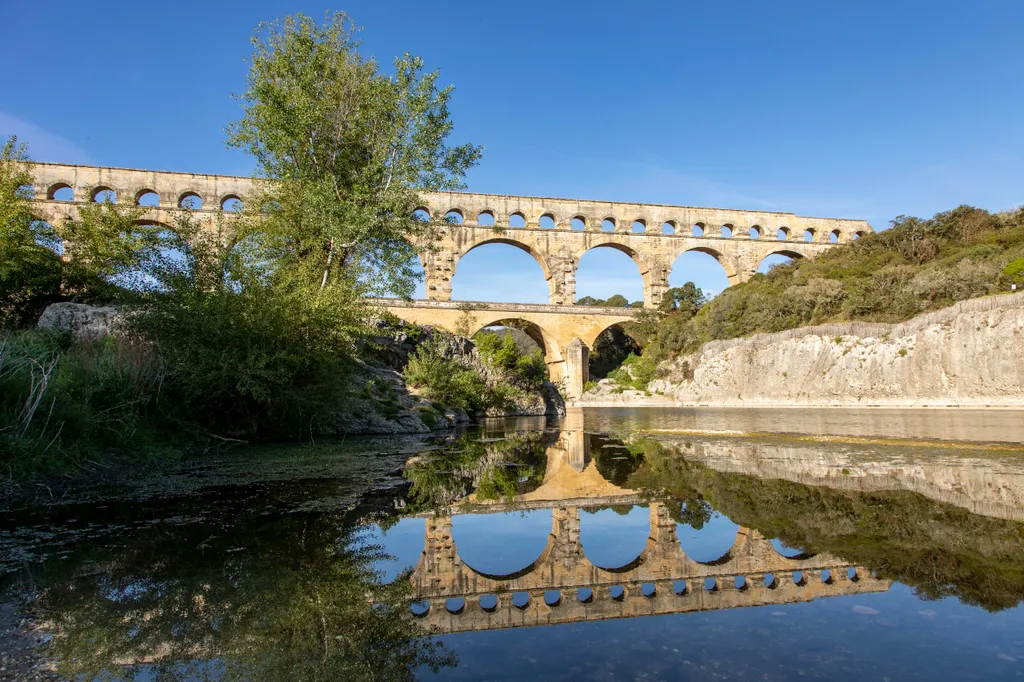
556 232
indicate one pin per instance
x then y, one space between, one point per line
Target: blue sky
859 110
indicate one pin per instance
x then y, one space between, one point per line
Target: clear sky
842 109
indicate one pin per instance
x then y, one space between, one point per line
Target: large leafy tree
29 272
348 150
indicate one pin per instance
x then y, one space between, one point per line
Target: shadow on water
287 575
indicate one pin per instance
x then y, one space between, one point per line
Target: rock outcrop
84 322
970 354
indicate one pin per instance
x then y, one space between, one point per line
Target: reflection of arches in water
615 538
710 544
615 462
501 544
784 550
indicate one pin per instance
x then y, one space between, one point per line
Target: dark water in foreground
556 550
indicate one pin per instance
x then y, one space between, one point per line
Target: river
612 544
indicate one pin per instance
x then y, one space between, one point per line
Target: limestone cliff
970 354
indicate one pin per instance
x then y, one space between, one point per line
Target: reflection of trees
287 600
615 461
939 549
493 469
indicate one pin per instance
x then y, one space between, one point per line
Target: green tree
29 272
348 148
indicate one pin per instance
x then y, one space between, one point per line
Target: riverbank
967 355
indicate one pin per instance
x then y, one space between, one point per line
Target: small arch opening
740 582
521 600
698 230
190 201
710 585
453 217
455 605
489 602
770 582
851 574
755 232
727 231
578 223
485 219
553 597
833 237
547 222
104 195
858 234
608 225
668 227
639 227
680 587
585 595
808 235
61 192
517 220
420 608
148 198
231 204
826 577
421 215
799 579
649 590
782 234
617 592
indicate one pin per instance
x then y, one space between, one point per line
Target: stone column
655 282
439 268
577 370
562 280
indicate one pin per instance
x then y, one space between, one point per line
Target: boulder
85 322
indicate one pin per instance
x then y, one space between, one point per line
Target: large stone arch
537 254
655 278
549 344
734 273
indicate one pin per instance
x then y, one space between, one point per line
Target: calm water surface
566 550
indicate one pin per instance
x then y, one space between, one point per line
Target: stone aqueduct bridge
562 585
652 235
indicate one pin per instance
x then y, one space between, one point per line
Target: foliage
611 347
245 353
303 601
492 469
445 379
527 370
616 301
635 372
29 272
64 404
349 150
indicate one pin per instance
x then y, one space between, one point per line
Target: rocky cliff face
971 354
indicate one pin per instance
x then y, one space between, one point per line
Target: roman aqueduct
555 232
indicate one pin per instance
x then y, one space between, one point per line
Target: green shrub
444 379
63 404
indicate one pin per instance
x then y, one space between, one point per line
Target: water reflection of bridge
562 585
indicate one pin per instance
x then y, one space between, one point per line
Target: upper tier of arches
541 213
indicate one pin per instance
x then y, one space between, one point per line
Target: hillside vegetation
916 266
